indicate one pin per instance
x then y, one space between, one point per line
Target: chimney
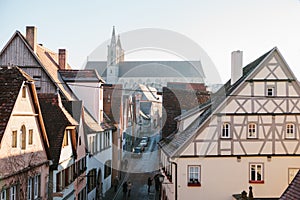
236 66
62 59
31 33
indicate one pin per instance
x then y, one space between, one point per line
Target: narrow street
139 169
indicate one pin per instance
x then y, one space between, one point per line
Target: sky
217 26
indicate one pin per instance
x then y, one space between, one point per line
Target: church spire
119 42
113 37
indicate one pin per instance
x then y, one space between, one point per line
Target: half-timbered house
248 134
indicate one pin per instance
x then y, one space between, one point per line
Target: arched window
225 130
23 137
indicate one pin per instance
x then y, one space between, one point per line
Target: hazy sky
218 26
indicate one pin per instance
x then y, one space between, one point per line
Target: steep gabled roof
293 190
57 119
175 143
49 60
11 81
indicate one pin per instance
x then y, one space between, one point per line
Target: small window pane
30 139
14 139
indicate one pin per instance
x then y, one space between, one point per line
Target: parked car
145 138
144 143
137 152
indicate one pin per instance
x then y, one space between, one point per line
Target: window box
194 184
257 182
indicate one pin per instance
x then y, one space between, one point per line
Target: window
24 92
256 173
66 138
30 137
194 176
13 192
23 137
270 91
3 195
14 139
107 168
290 131
29 188
252 133
292 173
36 191
82 194
79 140
91 180
106 139
225 130
37 82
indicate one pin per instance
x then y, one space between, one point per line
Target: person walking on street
125 190
129 185
149 184
116 183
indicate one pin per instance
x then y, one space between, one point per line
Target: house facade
24 145
45 66
64 172
246 135
87 86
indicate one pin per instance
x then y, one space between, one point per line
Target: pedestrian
149 184
116 183
125 186
129 188
125 164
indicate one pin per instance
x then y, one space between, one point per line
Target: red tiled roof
293 190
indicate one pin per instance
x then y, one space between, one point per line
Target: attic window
24 92
270 91
66 138
37 82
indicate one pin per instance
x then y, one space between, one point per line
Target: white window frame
290 131
252 128
256 166
13 192
36 186
29 188
194 173
226 130
3 195
271 89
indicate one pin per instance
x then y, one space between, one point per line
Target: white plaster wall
222 177
90 94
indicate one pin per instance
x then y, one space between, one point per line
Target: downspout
174 163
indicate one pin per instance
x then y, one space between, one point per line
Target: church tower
115 55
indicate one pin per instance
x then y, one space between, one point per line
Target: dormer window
270 91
